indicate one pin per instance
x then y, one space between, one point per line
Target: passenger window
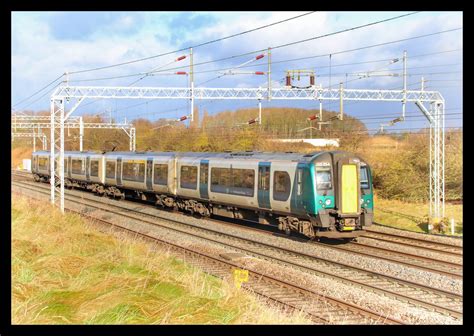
299 189
233 181
188 177
161 174
281 185
264 183
133 171
43 163
95 168
323 178
220 180
243 182
364 178
77 167
110 169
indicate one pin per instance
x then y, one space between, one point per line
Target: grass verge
412 216
65 271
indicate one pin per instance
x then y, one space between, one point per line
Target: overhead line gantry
434 112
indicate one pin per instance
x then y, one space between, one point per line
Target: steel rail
323 300
403 297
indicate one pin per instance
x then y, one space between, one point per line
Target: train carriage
322 194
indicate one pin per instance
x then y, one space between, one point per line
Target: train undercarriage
324 226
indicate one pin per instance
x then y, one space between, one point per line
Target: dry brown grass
66 271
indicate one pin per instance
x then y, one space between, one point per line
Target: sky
45 45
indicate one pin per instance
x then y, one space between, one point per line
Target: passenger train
322 194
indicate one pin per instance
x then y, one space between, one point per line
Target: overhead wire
194 46
35 93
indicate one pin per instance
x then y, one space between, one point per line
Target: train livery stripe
349 187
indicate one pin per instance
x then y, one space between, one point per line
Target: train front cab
343 195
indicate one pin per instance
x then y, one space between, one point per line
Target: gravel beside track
454 241
322 309
285 241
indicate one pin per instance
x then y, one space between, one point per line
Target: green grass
66 271
413 216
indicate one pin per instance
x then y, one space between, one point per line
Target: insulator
311 80
259 56
259 73
313 117
252 121
181 73
180 58
288 80
183 118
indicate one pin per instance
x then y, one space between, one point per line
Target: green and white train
322 194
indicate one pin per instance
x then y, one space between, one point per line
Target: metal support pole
51 161
431 175
404 84
61 159
132 139
442 145
191 78
260 112
34 141
341 101
81 134
57 175
269 72
320 113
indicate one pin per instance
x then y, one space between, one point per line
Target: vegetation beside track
412 216
64 270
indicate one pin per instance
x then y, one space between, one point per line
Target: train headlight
328 202
361 201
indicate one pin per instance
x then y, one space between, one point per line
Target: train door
149 173
69 163
264 185
204 179
119 171
348 186
88 164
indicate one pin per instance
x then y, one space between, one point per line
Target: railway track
320 309
453 269
439 247
416 294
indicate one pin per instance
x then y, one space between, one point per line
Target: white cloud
37 57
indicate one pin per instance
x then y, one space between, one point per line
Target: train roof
252 155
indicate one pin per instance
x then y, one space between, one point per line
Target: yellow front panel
349 189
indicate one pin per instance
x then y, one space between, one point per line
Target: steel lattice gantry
435 115
37 123
32 135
